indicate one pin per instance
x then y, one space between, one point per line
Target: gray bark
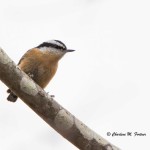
48 109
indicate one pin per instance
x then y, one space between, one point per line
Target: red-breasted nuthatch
41 63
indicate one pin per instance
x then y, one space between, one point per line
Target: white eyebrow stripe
55 43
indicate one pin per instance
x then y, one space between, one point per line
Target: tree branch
48 109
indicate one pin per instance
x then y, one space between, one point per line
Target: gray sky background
105 83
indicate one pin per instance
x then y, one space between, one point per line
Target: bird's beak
70 50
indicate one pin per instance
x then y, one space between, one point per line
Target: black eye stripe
48 44
61 43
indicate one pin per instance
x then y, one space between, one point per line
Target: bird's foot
30 75
51 96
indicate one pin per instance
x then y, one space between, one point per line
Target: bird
41 63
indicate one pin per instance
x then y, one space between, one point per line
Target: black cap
55 44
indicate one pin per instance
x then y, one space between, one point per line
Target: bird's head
55 48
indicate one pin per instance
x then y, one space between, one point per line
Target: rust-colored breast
41 66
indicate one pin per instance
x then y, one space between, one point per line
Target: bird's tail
11 97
